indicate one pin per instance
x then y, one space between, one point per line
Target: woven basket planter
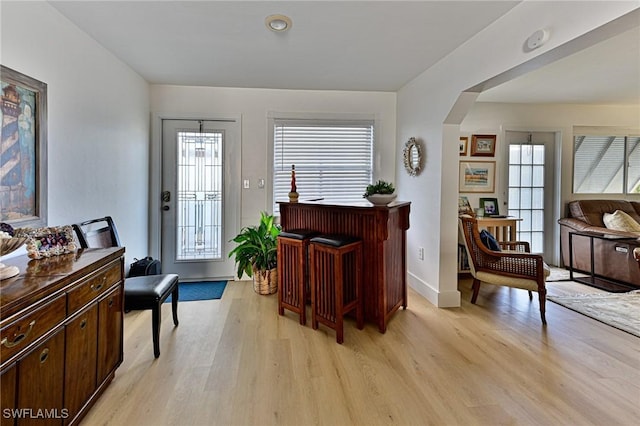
265 282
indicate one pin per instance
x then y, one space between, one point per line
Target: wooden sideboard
61 325
382 230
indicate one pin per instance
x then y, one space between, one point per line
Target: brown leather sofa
613 258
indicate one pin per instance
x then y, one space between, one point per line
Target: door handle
166 196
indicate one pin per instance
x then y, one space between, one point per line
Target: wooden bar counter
382 230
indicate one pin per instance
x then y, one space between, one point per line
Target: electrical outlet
421 253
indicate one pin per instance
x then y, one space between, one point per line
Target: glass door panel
199 206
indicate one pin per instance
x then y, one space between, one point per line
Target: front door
199 197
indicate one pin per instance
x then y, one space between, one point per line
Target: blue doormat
204 290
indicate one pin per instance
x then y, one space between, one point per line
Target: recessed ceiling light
278 23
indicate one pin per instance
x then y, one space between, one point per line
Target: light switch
245 184
260 183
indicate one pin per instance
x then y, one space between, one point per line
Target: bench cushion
335 240
145 291
298 234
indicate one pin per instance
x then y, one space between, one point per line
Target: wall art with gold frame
483 145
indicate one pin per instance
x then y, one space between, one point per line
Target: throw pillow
489 240
620 221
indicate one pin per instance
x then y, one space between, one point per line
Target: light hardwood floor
234 361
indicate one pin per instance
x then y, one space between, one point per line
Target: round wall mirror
413 157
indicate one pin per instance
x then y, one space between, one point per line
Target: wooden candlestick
293 194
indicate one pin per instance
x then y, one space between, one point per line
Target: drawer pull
83 323
97 287
111 302
19 338
44 355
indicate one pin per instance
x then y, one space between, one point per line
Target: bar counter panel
382 230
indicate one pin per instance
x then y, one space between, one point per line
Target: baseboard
448 299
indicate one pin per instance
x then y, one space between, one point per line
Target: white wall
98 121
254 106
496 118
424 107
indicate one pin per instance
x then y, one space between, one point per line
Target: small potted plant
256 254
380 193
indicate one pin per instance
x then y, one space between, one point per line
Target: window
605 162
333 159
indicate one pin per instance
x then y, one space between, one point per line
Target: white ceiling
606 73
334 45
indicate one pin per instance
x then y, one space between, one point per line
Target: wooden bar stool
336 281
293 271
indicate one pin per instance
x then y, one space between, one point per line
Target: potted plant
380 193
256 254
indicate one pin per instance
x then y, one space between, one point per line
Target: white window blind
333 159
606 164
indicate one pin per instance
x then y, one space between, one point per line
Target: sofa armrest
580 226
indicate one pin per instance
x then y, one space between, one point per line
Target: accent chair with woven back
511 266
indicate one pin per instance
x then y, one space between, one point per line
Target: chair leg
476 290
530 295
338 279
314 284
156 317
174 304
359 286
542 296
302 294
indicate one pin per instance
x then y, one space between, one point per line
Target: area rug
560 274
205 290
619 310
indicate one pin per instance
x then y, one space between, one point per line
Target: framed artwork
464 144
490 206
23 160
464 207
483 145
477 176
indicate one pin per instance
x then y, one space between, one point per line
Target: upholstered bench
143 292
149 292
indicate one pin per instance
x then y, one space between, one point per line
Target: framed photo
47 242
464 207
483 145
477 176
490 206
464 145
23 164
